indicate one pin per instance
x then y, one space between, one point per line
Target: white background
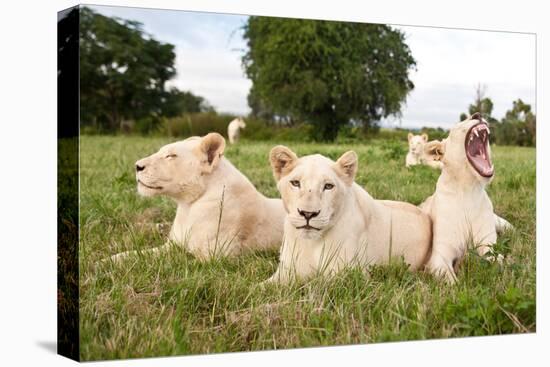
28 182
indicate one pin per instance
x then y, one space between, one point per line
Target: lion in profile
219 211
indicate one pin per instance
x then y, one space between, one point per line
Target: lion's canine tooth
475 132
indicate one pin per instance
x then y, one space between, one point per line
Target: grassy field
173 304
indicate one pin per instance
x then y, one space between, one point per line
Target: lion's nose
308 215
139 168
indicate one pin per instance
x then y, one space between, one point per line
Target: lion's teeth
475 132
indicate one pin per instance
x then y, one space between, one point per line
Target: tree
122 71
67 73
482 104
327 73
177 102
523 121
258 108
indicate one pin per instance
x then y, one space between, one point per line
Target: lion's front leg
279 277
502 225
486 251
485 237
442 267
410 161
120 257
447 253
291 269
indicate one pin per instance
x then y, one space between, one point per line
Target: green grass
173 304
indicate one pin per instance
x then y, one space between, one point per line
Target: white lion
460 208
332 222
234 129
219 211
416 154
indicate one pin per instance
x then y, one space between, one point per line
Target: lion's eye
328 186
295 183
171 156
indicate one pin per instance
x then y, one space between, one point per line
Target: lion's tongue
477 151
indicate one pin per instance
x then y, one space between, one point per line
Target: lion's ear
425 137
346 166
434 150
410 136
476 116
211 149
282 160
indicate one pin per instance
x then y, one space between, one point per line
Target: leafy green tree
258 108
122 71
523 121
177 102
327 73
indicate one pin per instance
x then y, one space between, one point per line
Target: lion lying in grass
219 211
461 210
331 222
416 154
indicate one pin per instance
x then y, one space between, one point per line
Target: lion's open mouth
477 149
150 187
307 226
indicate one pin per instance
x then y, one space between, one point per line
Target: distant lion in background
234 129
416 154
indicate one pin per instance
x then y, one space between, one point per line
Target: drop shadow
48 345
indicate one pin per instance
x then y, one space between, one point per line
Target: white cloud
450 63
215 75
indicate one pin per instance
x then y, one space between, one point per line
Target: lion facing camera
331 222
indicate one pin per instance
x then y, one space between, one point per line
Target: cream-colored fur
502 225
234 129
461 211
346 226
219 211
416 154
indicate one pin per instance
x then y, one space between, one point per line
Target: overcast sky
450 63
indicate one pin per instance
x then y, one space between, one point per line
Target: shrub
512 133
200 123
435 133
145 125
394 150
